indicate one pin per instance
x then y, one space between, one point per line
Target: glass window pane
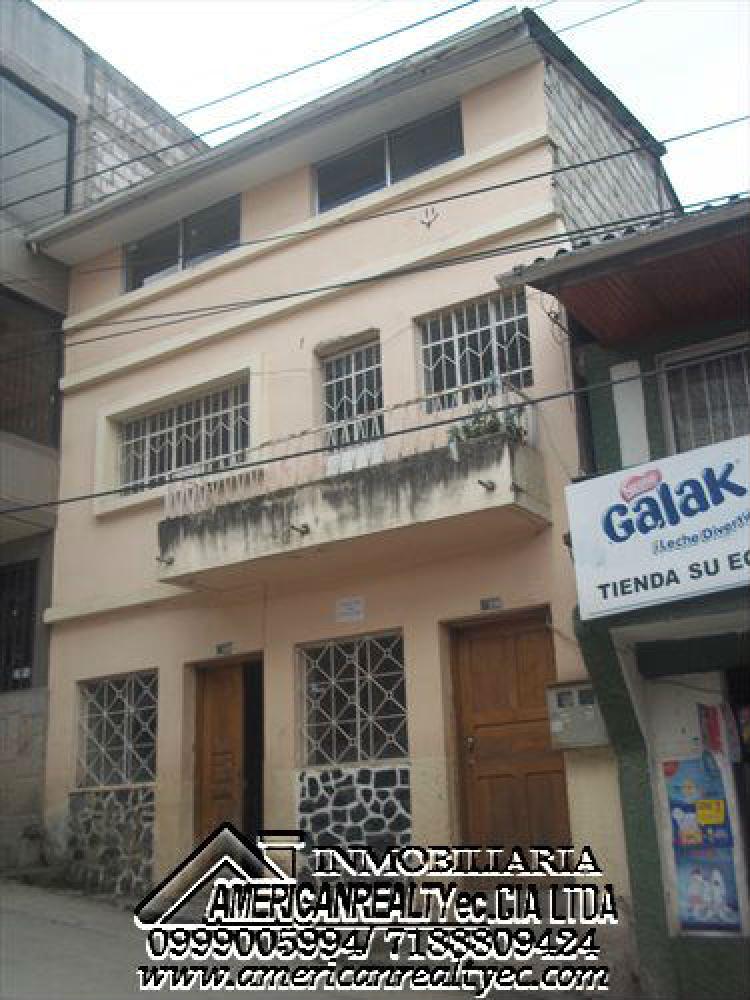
423 144
352 175
152 257
211 231
41 166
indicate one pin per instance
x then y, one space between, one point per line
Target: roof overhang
391 96
662 278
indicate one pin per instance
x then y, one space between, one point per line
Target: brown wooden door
219 748
513 781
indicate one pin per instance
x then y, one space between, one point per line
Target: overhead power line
257 85
520 404
459 196
136 159
157 321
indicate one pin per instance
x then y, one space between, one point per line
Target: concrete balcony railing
409 481
28 475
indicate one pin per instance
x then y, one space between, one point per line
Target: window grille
354 700
209 432
468 351
17 614
353 396
709 399
118 730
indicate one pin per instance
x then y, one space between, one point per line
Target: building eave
387 97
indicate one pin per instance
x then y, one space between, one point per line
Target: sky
676 64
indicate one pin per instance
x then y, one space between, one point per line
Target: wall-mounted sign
672 529
350 609
224 648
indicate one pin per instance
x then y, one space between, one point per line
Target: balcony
28 475
415 482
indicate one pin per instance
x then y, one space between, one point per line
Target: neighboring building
662 555
65 114
355 635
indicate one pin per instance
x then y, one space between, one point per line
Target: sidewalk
58 944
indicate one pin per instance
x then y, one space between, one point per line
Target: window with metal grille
117 744
17 614
354 700
353 396
708 398
209 432
469 351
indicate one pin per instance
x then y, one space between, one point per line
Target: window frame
170 405
30 569
83 731
305 762
71 122
180 264
351 351
703 350
385 140
499 380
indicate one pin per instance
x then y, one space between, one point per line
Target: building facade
67 118
661 542
321 583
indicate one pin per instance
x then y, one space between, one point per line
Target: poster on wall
707 895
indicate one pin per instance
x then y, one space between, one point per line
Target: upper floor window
469 350
707 396
211 431
36 140
353 395
17 615
183 244
390 158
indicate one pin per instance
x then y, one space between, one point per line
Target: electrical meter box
575 719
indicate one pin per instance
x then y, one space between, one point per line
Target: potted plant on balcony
485 422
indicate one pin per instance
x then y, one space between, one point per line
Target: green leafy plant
483 423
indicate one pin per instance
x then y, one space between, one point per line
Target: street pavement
58 944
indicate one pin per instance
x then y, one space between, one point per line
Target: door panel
513 782
219 748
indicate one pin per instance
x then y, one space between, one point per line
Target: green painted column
659 976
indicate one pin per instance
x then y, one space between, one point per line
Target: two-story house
72 130
659 319
316 579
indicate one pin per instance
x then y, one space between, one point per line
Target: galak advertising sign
675 528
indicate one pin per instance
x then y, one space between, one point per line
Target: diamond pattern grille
354 700
210 432
118 731
353 396
467 352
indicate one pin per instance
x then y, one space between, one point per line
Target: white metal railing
395 432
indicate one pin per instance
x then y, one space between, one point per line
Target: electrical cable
520 404
165 319
250 87
459 196
123 163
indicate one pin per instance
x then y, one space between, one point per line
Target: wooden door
219 748
513 782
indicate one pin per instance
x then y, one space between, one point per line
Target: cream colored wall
110 559
95 281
